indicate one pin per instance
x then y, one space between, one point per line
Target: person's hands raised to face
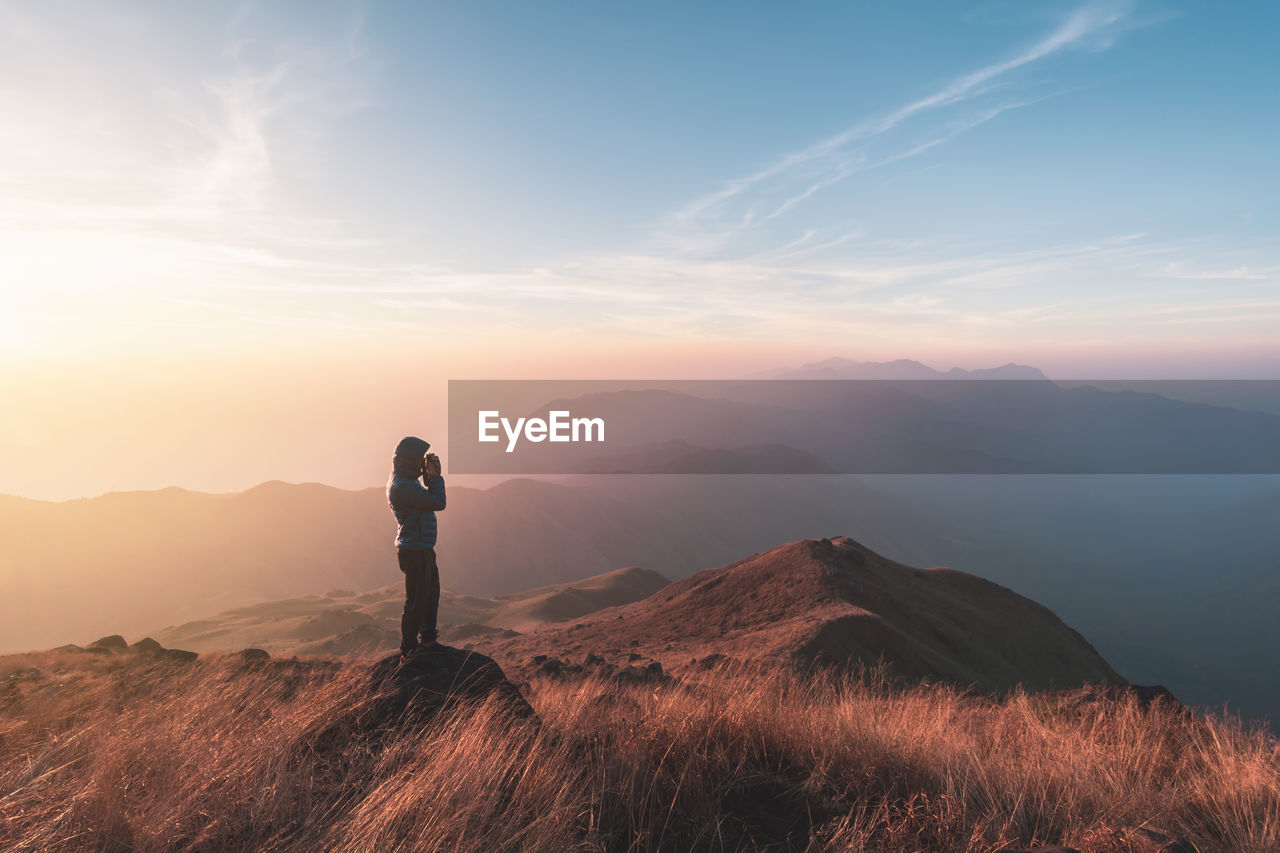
430 465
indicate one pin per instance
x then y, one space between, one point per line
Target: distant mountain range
126 562
884 426
1174 579
902 368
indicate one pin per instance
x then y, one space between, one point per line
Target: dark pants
421 597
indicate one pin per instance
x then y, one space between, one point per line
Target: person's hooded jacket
414 505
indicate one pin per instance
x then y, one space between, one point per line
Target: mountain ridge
900 368
833 602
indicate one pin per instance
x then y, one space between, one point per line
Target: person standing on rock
415 506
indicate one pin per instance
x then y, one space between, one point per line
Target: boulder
253 655
436 678
549 666
555 666
180 655
111 643
146 646
637 674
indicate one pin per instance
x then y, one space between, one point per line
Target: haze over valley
1172 578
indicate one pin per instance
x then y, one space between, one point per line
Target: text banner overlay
554 427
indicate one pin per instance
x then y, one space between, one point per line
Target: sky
246 241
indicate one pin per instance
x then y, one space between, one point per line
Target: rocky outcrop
116 644
112 643
146 646
434 679
634 670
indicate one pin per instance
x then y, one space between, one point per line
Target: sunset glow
312 203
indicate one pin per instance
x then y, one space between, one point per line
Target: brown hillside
138 752
834 601
345 623
125 562
527 610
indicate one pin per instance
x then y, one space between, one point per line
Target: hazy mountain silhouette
902 368
1172 578
681 457
126 562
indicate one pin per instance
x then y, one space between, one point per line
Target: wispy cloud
178 147
711 221
1181 270
160 186
191 223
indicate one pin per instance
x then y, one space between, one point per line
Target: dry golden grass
107 754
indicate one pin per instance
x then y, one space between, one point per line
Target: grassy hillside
126 562
817 601
104 753
1171 578
344 623
834 602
